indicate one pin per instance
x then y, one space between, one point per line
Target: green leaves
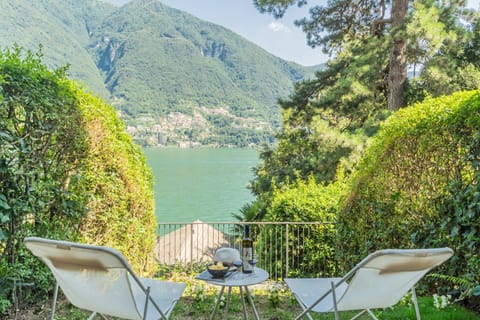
277 7
117 186
67 168
4 216
418 184
301 201
3 202
40 145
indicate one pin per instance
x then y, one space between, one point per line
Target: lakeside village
192 130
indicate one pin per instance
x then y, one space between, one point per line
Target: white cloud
278 27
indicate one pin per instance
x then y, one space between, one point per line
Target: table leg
243 303
228 300
251 303
219 298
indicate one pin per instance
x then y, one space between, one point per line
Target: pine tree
340 22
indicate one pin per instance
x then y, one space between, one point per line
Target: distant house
196 242
160 140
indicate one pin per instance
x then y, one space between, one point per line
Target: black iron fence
281 248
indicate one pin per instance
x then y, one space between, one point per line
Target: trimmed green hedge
418 185
68 171
304 201
120 207
42 143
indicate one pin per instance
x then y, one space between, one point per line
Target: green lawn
198 305
199 299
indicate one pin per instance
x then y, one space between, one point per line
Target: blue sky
279 37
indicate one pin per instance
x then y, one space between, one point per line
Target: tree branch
375 28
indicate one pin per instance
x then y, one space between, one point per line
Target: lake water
201 183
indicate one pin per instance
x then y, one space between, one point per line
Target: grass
273 302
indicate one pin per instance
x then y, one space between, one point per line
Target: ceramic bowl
217 273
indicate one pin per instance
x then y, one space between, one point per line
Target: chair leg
92 316
334 296
358 314
54 304
303 314
309 316
371 314
145 309
415 303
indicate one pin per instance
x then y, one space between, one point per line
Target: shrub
119 210
305 201
418 185
67 171
41 141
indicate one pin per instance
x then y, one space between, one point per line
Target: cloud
278 27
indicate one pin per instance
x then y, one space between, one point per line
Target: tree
450 60
327 120
115 175
303 201
41 146
397 75
341 21
370 48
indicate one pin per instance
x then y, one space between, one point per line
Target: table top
236 278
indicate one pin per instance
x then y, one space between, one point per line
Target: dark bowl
217 273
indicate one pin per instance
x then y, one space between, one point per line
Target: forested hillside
172 77
61 28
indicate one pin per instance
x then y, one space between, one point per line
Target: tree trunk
398 57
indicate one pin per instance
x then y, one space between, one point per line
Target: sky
279 37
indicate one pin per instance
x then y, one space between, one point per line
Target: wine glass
253 261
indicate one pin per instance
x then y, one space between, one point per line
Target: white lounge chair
100 280
378 281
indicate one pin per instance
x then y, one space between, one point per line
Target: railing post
286 248
274 257
191 246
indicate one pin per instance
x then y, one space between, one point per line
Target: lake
207 184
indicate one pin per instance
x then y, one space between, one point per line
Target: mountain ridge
172 77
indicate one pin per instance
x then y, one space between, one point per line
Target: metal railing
282 248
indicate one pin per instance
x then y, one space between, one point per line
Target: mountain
172 77
117 2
